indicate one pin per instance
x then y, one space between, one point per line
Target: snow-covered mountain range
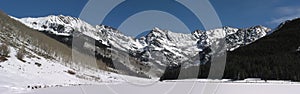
146 56
157 49
66 25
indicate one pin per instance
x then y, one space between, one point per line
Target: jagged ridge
157 49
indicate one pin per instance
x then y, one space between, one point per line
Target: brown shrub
21 53
4 50
2 58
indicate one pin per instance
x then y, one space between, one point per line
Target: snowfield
179 87
35 73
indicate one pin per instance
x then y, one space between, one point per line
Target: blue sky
245 13
236 13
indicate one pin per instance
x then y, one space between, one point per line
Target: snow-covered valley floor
38 75
181 87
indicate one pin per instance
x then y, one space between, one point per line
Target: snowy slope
39 72
20 77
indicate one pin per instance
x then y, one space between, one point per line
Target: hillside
274 57
29 59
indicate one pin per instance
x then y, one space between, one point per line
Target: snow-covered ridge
66 25
158 48
60 25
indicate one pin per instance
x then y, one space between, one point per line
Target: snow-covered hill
157 49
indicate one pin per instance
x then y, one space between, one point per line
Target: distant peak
61 15
156 29
289 23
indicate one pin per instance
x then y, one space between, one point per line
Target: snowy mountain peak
62 18
158 32
60 25
156 29
241 37
105 27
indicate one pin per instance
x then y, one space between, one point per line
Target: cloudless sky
236 13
